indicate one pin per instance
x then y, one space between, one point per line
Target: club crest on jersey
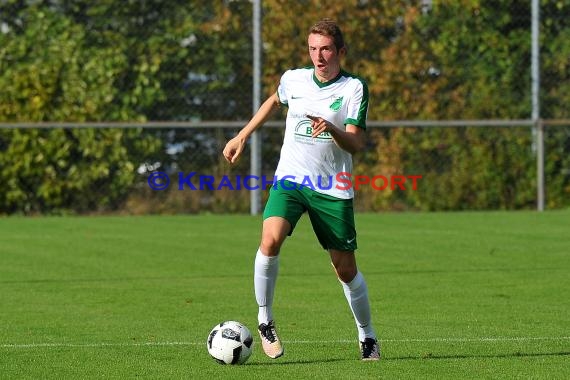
304 130
335 106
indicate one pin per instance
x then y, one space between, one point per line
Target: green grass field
454 295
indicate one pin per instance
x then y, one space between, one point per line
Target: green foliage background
111 60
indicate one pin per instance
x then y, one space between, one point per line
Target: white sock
356 293
265 276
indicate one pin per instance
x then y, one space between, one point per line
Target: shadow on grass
421 357
293 362
430 356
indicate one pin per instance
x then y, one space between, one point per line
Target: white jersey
318 162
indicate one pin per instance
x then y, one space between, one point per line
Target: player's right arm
235 146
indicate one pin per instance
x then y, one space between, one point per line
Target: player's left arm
352 139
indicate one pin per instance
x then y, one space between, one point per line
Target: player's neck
328 77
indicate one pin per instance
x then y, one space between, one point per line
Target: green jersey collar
327 83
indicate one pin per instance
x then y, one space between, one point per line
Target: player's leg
356 293
333 223
275 230
355 290
281 214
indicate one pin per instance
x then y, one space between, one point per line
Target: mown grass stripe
339 341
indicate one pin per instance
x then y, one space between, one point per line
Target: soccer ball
230 342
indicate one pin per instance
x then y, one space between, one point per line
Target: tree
110 60
49 72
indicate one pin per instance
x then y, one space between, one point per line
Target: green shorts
332 218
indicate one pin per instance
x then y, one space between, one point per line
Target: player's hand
319 125
233 149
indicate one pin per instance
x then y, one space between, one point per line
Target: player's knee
270 246
344 264
347 276
346 273
273 235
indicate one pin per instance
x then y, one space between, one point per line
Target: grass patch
453 295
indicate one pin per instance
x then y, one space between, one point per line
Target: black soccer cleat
370 349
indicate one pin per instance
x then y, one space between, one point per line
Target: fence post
539 127
255 166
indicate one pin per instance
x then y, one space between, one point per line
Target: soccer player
325 125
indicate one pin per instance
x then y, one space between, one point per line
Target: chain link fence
98 96
428 168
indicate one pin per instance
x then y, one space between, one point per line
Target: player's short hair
327 27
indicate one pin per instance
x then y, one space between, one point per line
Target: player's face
325 56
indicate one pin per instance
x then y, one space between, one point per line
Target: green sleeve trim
363 109
358 123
